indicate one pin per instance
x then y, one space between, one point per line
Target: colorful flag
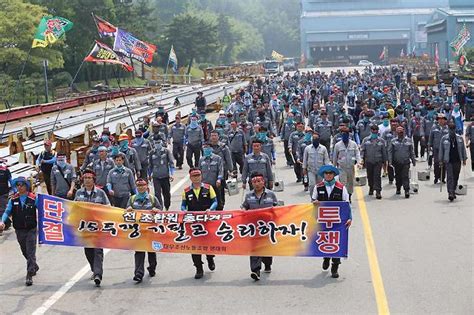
293 230
104 28
125 43
173 60
382 54
277 56
50 30
103 53
460 40
436 56
413 53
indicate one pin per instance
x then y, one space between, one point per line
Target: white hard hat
221 112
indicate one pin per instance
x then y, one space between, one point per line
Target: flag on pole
125 43
382 54
104 28
103 53
50 30
277 56
402 53
413 53
173 60
460 40
436 56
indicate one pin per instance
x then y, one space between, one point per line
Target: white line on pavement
81 273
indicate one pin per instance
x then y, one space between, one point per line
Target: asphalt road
410 256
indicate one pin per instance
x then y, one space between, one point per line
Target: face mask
374 135
194 124
329 183
207 152
262 135
456 109
345 137
119 167
385 123
105 138
408 106
221 121
124 145
366 119
316 143
307 137
382 108
290 120
141 196
61 163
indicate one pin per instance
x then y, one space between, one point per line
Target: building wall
359 23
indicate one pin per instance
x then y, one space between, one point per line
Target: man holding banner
199 197
259 198
143 201
90 193
331 190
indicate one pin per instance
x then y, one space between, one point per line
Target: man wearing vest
331 190
45 162
143 201
22 208
259 198
199 197
63 178
91 193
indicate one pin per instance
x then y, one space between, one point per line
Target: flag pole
105 108
167 65
80 67
123 97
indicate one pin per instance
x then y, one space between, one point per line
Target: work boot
29 279
407 194
36 270
199 272
334 268
451 197
97 280
378 195
371 192
137 278
268 269
210 264
255 275
151 271
326 263
398 192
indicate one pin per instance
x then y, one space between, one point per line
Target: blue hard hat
327 168
23 180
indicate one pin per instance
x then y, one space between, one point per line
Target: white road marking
84 270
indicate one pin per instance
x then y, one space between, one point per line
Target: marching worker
63 178
120 182
331 190
438 131
345 156
45 163
237 146
259 198
451 153
199 197
93 194
194 140
6 183
257 161
400 153
101 168
295 137
143 148
91 154
212 171
161 172
177 137
374 156
22 208
132 161
143 200
302 144
200 103
314 156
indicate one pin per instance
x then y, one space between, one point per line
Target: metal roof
311 14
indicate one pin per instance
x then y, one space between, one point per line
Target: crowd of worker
331 126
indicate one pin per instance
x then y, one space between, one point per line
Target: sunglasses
20 184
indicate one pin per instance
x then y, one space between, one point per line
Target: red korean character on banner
53 210
328 241
53 232
329 215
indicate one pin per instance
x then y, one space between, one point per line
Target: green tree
193 38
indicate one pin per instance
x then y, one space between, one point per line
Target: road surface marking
377 282
81 273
